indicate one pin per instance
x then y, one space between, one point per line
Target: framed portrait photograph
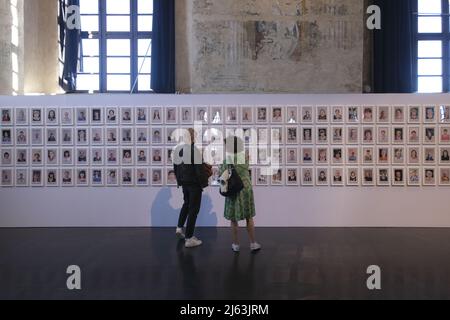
67 136
66 116
368 135
352 155
67 179
277 156
52 137
383 177
22 178
67 157
22 136
21 116
156 115
157 176
142 177
337 156
292 114
307 156
262 114
429 176
37 136
322 157
337 114
52 178
398 135
112 136
169 155
277 115
398 177
127 177
171 179
216 115
187 115
444 176
141 114
7 137
52 156
82 136
247 115
173 135
7 178
352 135
308 177
82 177
37 177
337 177
97 177
444 135
292 156
202 114
322 177
292 136
157 156
112 115
398 155
368 177
368 114
157 136
383 155
112 177
307 135
429 155
262 176
322 114
398 114
352 114
307 114
414 156
414 114
112 156
82 156
322 135
262 135
97 116
414 135
126 136
141 156
429 114
292 177
444 155
383 135
7 157
97 157
82 116
444 114
171 115
276 135
277 177
7 117
368 155
263 155
142 136
337 135
21 157
352 177
383 114
37 157
126 115
414 177
51 116
37 116
430 135
126 156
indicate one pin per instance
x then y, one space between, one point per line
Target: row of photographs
324 176
21 136
414 114
307 156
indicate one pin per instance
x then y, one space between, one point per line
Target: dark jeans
191 207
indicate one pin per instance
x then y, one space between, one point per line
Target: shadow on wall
164 214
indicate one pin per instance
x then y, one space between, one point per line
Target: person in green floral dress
242 206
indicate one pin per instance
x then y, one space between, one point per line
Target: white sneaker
235 247
179 233
193 242
255 247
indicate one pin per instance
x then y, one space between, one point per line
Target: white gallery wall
377 205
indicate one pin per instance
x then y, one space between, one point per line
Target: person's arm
199 168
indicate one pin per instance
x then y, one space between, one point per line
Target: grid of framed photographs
404 145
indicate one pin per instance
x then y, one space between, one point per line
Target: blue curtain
394 47
163 46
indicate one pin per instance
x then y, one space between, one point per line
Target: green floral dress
242 206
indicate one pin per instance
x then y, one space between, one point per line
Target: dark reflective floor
295 263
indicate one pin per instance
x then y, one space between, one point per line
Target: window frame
103 36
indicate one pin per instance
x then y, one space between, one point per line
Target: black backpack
235 184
